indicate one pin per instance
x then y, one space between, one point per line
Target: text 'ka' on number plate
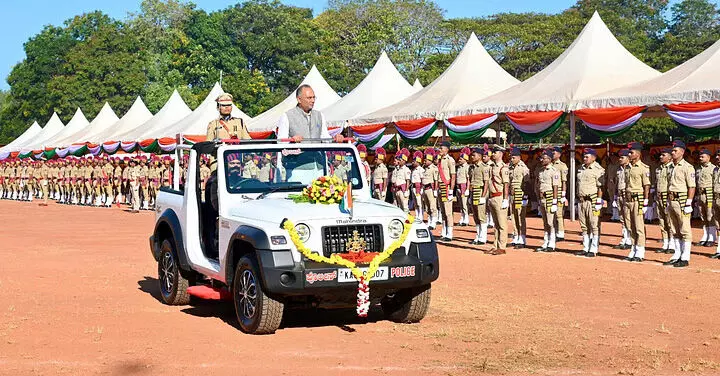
345 275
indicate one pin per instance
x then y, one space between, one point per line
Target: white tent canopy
104 119
383 86
78 123
417 85
324 94
594 63
696 80
474 74
29 134
53 127
173 110
135 116
196 122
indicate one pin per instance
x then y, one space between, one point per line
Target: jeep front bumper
420 266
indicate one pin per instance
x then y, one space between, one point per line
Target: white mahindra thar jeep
234 241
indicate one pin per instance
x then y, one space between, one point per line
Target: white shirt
284 127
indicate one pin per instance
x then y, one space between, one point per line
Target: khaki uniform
87 175
620 184
227 128
98 183
637 176
43 174
499 176
705 193
400 187
379 181
548 179
429 184
479 178
462 184
265 171
589 180
134 181
681 179
416 175
446 172
716 201
154 175
108 178
559 218
250 170
145 185
204 176
661 191
519 177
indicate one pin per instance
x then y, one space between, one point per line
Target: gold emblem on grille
356 244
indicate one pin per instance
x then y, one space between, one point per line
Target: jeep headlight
303 231
395 228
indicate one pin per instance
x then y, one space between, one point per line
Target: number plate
345 275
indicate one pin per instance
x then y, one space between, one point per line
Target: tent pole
497 133
444 132
571 178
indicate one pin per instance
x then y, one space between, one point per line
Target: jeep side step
210 293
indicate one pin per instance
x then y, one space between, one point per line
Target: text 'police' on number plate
345 275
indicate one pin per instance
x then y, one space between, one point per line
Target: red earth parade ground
78 296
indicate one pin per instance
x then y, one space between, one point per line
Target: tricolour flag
346 205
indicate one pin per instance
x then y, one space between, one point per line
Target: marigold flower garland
363 278
323 190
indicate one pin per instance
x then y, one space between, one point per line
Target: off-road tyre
407 306
256 312
173 286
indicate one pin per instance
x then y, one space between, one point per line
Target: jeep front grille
335 238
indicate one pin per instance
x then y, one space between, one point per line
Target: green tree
355 32
277 40
694 26
103 66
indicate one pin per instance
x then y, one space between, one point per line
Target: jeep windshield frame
288 169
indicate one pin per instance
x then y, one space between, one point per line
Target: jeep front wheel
173 286
256 312
408 305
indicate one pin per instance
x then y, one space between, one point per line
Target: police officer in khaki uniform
380 175
446 187
619 202
590 180
479 178
416 175
108 179
681 191
226 126
519 179
563 169
134 181
637 193
661 192
547 187
43 174
716 202
430 185
498 203
401 180
362 151
462 182
704 175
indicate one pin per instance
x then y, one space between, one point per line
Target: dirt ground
79 296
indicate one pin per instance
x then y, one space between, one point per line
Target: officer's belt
635 196
677 196
592 198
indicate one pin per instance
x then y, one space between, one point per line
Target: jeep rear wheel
173 286
256 312
408 305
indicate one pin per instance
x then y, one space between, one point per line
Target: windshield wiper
279 189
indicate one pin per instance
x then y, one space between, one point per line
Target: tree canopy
262 48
